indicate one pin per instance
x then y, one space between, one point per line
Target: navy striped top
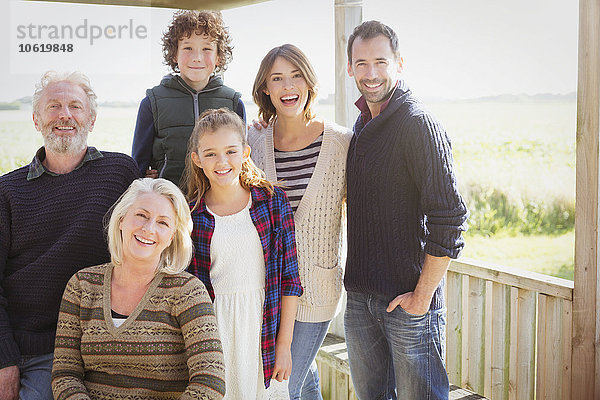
295 168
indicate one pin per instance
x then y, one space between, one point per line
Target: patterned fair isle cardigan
168 347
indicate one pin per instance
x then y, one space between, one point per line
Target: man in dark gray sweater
405 219
51 214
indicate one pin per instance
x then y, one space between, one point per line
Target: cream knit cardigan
318 219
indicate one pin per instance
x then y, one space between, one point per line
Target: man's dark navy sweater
50 227
403 200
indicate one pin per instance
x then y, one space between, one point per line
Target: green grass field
515 164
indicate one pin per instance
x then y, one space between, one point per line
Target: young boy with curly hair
197 48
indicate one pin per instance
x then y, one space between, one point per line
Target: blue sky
452 49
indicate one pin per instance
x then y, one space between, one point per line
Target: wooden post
586 303
348 14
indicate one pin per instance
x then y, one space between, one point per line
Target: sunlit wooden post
586 302
348 14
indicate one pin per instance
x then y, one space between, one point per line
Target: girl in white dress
245 253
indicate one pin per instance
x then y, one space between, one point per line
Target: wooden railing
508 335
508 332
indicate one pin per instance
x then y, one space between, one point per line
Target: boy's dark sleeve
143 137
241 110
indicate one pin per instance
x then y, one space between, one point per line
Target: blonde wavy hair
177 256
194 179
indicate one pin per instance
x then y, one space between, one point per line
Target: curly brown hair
209 23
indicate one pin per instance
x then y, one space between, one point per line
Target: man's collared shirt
365 112
37 169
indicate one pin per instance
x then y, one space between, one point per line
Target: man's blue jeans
395 355
35 374
304 379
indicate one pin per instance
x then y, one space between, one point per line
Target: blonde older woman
139 327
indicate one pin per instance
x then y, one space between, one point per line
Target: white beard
67 145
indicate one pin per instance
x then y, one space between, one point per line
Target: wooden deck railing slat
543 344
464 323
476 354
454 327
554 346
554 351
500 346
340 388
513 350
567 330
488 324
526 332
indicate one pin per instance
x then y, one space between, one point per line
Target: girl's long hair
195 181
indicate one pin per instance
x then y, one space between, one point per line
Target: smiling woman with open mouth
308 157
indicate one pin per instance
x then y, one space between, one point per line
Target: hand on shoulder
258 124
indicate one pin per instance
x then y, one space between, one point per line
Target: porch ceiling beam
182 4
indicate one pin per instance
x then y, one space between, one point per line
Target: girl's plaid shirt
274 222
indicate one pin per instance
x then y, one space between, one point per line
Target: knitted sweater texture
167 348
318 219
403 199
50 227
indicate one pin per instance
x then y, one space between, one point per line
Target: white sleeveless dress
237 274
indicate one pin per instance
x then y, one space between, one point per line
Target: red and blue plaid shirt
274 222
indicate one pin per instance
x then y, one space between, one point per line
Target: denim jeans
395 355
304 380
35 374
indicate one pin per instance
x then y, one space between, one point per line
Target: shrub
494 211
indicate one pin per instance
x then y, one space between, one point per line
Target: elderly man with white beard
51 226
